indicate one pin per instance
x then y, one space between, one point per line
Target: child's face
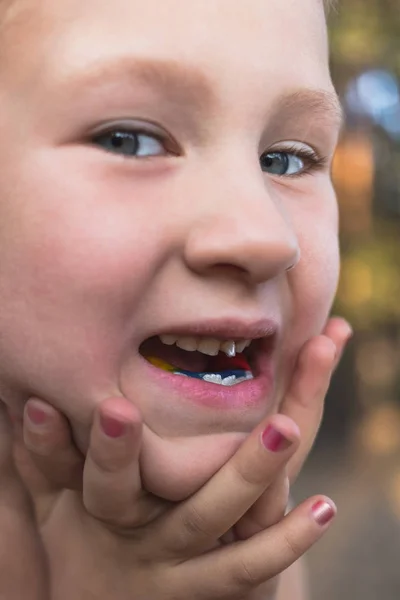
187 228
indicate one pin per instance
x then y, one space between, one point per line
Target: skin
100 253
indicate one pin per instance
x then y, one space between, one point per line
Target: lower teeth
218 379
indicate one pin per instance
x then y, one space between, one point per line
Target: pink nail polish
113 428
36 415
274 440
323 512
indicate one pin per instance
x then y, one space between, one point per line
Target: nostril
293 264
229 269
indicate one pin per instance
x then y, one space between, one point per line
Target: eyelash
169 144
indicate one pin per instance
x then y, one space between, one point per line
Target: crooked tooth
213 378
229 348
240 346
208 346
187 343
168 340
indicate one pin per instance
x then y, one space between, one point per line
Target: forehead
258 41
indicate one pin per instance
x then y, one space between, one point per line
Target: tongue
224 363
192 361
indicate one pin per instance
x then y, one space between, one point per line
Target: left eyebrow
317 104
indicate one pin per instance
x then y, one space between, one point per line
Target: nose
246 231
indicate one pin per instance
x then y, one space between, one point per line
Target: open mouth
221 362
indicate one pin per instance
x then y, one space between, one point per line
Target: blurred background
357 458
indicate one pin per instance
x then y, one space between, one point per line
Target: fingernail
323 512
349 335
36 415
339 352
274 440
113 428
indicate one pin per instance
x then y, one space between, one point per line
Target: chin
175 468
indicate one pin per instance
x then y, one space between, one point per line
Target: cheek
316 281
313 285
71 277
79 244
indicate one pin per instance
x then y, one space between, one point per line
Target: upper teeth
209 346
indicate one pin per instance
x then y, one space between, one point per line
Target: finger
236 570
304 401
339 331
199 522
269 509
112 488
8 474
47 437
22 565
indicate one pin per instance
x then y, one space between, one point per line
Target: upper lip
225 329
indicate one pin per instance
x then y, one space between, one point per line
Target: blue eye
281 163
130 144
291 162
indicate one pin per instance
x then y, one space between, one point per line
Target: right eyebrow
178 83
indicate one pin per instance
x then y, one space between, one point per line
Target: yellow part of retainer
161 364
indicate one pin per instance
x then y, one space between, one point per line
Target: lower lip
251 393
